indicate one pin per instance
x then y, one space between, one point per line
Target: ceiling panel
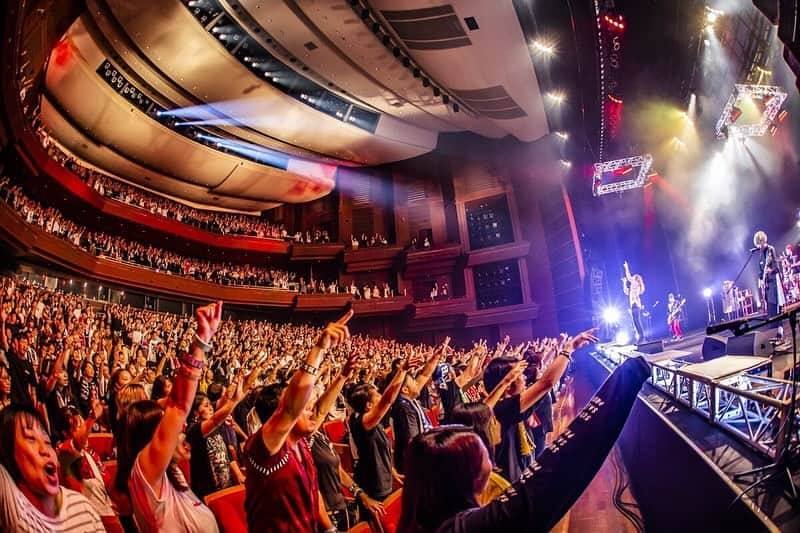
174 41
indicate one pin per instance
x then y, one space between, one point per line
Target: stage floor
728 455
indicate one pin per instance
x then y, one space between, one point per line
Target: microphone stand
781 469
741 270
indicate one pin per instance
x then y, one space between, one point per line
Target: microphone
754 249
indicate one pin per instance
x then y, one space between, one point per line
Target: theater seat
345 456
103 444
392 505
335 430
361 527
433 418
121 500
228 508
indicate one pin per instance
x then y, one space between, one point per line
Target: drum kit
790 277
737 303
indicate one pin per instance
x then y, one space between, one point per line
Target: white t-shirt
17 513
173 511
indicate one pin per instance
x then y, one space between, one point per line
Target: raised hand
335 332
208 319
582 339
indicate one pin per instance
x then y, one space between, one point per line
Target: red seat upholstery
432 417
121 500
335 430
361 527
345 456
103 444
392 505
228 508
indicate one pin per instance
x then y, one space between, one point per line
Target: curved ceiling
187 57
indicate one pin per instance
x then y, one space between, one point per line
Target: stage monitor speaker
713 347
753 343
651 347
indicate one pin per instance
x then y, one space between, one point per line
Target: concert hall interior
399 265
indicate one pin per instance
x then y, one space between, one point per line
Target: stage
681 465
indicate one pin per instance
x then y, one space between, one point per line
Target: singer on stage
769 279
633 285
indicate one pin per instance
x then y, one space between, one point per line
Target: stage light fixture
707 292
619 167
772 98
557 97
445 99
415 72
544 47
623 338
426 82
611 316
565 163
456 109
562 135
437 91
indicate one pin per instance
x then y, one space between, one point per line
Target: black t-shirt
508 455
451 397
210 462
22 376
406 425
58 398
373 470
327 463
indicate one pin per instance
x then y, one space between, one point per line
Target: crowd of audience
368 241
121 249
214 221
203 404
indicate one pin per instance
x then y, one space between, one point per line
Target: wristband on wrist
200 343
308 369
189 373
193 362
566 354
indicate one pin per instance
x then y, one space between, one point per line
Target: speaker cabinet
753 343
651 347
713 347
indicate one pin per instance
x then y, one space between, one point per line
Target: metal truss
643 162
753 408
775 95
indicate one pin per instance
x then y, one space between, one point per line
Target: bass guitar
676 309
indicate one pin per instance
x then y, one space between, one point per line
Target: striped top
17 513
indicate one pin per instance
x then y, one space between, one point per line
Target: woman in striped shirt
31 497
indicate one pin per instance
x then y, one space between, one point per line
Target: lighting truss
774 97
642 163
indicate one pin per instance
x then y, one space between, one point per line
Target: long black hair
444 471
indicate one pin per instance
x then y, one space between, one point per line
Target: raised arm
50 384
373 417
555 370
157 454
427 371
233 395
507 380
328 398
298 392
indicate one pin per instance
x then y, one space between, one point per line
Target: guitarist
769 280
675 307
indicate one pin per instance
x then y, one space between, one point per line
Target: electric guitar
676 311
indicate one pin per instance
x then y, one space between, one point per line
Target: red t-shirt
281 491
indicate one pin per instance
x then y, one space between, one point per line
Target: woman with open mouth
30 495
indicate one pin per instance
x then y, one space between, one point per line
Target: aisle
594 511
